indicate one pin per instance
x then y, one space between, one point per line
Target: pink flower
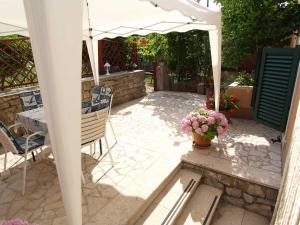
189 129
195 125
188 117
220 130
194 119
198 131
224 122
187 123
210 120
202 119
204 128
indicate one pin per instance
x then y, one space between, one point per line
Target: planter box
244 93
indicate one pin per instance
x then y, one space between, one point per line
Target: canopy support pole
92 46
55 29
215 48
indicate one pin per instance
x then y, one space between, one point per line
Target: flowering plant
207 123
228 102
15 222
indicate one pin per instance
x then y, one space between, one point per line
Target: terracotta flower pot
201 142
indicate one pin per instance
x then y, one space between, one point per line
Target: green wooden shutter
275 85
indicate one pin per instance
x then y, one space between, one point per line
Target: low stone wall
241 193
126 86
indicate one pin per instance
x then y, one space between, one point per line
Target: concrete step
200 209
165 209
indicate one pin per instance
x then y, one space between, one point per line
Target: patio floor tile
150 146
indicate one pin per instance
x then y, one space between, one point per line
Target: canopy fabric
114 18
109 19
127 17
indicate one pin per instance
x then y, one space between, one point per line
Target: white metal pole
92 46
215 48
55 29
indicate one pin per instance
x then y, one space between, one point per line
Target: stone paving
150 145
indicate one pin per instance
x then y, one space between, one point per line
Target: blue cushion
101 97
31 100
28 101
20 142
38 98
85 107
33 143
11 137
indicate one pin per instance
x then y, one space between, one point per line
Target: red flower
143 41
234 99
231 110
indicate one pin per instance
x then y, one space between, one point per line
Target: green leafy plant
248 25
245 79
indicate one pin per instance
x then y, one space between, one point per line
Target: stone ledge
245 194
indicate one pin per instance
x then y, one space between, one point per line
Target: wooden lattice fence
16 63
120 55
17 67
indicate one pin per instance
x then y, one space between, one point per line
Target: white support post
55 29
215 48
92 46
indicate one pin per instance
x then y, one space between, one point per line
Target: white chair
102 97
20 145
93 127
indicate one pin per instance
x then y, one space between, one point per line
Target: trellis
120 55
16 63
17 67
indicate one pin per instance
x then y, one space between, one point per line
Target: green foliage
245 79
189 53
251 24
186 54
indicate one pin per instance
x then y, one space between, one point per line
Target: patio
150 148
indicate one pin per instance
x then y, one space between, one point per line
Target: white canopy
56 31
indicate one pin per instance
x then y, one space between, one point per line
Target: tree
251 24
186 54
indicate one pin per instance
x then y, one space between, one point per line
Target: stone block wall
126 86
10 105
245 194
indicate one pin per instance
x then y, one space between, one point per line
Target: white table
34 120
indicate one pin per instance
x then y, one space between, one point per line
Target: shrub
245 79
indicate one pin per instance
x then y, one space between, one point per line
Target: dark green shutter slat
280 57
283 61
275 65
274 85
275 70
276 74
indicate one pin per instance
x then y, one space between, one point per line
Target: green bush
245 79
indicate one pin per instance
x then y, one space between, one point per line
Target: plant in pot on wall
205 125
228 104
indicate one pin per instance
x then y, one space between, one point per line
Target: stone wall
241 193
126 86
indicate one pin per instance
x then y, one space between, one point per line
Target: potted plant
242 87
205 125
228 104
